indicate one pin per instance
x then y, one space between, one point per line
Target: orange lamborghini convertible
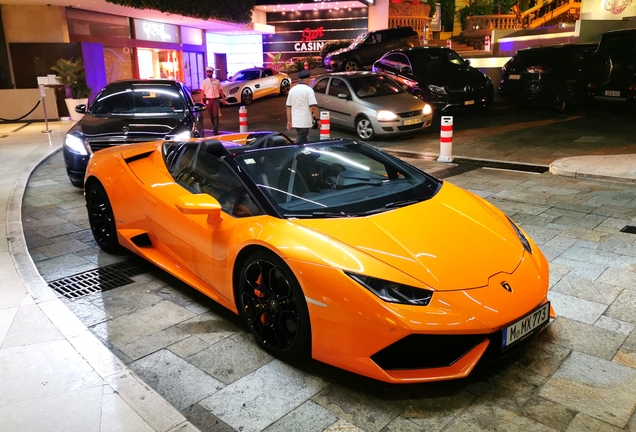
332 249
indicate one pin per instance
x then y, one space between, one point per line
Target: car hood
450 242
156 126
401 102
338 52
465 75
226 83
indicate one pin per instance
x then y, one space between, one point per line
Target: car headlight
233 90
75 144
386 115
181 136
393 292
522 237
427 109
436 89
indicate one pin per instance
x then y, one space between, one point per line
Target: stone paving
578 375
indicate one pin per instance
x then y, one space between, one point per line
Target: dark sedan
127 112
438 76
555 76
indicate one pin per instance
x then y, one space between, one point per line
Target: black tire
565 98
273 305
350 65
247 96
284 87
101 218
364 129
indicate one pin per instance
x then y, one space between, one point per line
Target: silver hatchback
371 103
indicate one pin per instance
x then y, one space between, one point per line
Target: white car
249 84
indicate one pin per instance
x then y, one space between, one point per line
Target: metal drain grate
475 163
101 279
629 229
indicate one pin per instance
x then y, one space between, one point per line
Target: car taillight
632 87
538 69
591 85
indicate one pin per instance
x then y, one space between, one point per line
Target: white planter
71 104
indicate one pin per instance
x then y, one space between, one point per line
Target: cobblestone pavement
578 375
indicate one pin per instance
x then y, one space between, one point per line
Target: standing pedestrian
301 105
212 93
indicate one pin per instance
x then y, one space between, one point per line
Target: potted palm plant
71 74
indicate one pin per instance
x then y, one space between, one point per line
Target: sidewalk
611 167
55 375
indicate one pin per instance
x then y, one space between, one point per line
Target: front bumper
409 344
76 165
398 126
529 91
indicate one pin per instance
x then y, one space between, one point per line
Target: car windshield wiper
402 203
319 214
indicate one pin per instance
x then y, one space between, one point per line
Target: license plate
514 77
412 121
470 102
612 93
525 325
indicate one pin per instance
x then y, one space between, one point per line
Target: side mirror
200 204
198 107
406 70
467 62
343 96
81 109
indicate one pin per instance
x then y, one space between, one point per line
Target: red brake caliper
259 294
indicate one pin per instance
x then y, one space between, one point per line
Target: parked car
249 84
614 67
371 103
556 76
332 249
130 111
370 46
439 76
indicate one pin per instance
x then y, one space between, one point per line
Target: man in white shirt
301 105
212 93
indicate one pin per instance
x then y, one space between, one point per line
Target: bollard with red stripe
446 139
487 43
449 44
306 65
242 119
325 125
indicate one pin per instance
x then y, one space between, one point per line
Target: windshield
335 180
138 101
436 63
358 41
372 86
246 75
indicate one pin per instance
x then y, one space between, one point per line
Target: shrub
72 75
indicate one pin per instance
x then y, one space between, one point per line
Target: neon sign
309 35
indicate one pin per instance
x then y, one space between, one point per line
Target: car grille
420 351
102 143
410 114
411 127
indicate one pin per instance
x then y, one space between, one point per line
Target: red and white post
242 119
446 140
449 44
325 125
487 43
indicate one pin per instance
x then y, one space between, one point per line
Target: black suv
131 111
438 76
614 67
556 76
368 47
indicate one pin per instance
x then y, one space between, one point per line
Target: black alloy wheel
101 218
273 305
284 87
246 96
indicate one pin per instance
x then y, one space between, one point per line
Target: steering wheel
329 174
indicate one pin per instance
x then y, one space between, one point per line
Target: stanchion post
242 119
43 99
325 125
449 44
446 139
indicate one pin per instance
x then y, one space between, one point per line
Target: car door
197 242
339 102
257 82
269 82
320 92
